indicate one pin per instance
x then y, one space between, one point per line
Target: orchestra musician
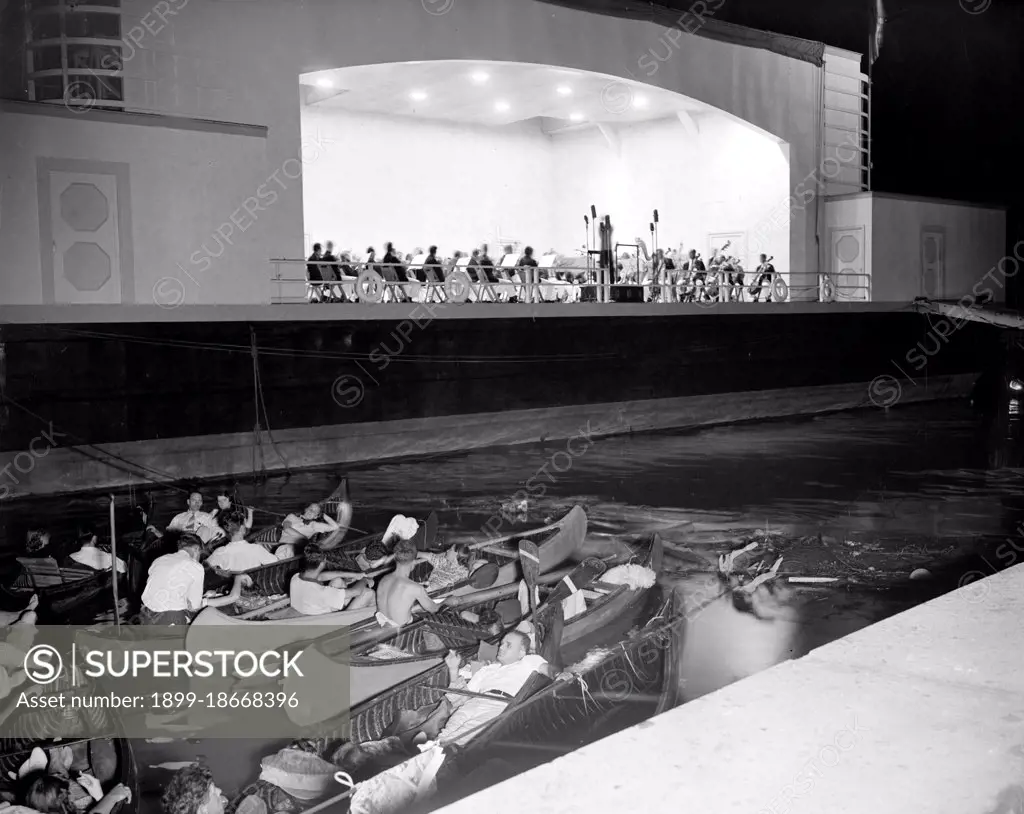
697 273
765 274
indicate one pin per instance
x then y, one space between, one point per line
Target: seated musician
238 555
394 272
92 556
765 274
432 267
315 591
487 264
313 275
299 529
697 276
397 594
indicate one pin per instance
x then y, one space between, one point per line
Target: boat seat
42 571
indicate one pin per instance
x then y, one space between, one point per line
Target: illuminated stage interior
458 153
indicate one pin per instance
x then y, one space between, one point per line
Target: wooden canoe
638 679
61 591
351 656
562 714
110 756
272 579
212 626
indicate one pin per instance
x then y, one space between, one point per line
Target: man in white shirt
239 555
503 678
195 521
174 587
310 596
91 556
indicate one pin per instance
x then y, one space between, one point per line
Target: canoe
637 680
546 715
110 757
354 656
62 591
272 579
564 538
212 627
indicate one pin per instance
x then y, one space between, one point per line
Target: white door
847 264
933 262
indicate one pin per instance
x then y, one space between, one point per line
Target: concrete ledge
921 712
68 469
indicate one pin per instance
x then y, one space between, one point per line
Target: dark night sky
948 104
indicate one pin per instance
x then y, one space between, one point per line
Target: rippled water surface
863 497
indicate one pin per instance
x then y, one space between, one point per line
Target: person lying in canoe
49 789
454 721
397 594
226 506
315 591
238 555
192 791
90 555
195 521
297 529
445 568
174 587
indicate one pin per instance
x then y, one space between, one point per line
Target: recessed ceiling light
564 90
501 107
479 77
325 82
417 96
576 117
639 101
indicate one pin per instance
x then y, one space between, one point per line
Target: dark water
864 497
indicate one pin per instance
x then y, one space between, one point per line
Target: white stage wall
418 181
240 64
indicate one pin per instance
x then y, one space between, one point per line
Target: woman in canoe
296 530
226 507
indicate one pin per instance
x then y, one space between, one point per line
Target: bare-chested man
397 594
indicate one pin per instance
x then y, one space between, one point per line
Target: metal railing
372 283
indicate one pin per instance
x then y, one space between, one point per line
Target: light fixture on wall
501 106
479 76
325 82
418 96
564 90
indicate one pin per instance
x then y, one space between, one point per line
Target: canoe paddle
529 556
483 577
